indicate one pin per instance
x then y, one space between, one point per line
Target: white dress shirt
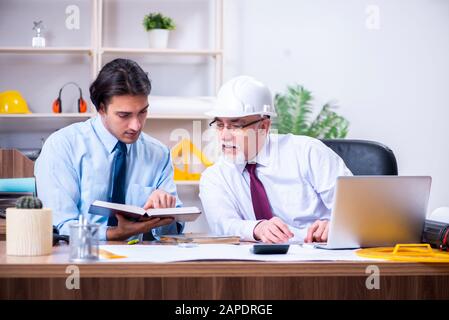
299 176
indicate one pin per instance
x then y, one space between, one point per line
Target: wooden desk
45 277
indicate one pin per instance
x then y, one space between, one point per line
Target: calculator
264 248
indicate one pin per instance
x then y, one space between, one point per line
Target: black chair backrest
364 157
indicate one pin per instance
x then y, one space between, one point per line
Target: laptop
377 211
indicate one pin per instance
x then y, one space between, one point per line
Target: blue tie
118 187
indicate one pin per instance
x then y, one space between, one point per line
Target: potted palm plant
294 109
158 27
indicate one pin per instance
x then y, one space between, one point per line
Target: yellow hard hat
12 102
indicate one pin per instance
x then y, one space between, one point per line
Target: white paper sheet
174 253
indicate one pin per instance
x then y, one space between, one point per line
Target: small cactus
28 202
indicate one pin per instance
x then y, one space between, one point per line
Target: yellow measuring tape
110 255
421 252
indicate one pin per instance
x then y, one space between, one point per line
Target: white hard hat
440 214
243 96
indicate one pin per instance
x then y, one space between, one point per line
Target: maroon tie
261 205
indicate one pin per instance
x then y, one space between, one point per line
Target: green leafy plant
158 21
294 109
28 202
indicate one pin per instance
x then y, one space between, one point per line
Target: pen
133 241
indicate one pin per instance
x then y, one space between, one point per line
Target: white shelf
187 183
161 51
83 116
47 115
46 50
178 116
38 122
165 107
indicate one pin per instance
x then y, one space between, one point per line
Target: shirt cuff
247 229
102 233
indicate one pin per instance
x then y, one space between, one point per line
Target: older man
267 187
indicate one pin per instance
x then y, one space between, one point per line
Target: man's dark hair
118 78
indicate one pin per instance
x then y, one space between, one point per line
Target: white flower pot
29 232
158 38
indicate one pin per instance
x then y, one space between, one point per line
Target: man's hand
272 231
160 199
318 231
126 228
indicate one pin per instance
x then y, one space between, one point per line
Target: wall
391 83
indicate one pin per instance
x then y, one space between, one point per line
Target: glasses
219 125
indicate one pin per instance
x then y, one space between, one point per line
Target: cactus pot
29 232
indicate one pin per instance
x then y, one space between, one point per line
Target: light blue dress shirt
75 168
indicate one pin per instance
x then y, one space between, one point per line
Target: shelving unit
216 53
96 52
168 110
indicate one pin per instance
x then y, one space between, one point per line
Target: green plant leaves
294 109
328 124
157 21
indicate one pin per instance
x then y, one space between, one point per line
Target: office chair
364 157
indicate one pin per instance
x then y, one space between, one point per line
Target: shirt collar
107 138
262 158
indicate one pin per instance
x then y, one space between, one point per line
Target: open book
135 213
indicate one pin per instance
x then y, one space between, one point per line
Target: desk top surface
55 265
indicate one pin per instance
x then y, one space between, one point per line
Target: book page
172 211
119 207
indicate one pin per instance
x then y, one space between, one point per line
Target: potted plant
294 108
29 229
158 27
